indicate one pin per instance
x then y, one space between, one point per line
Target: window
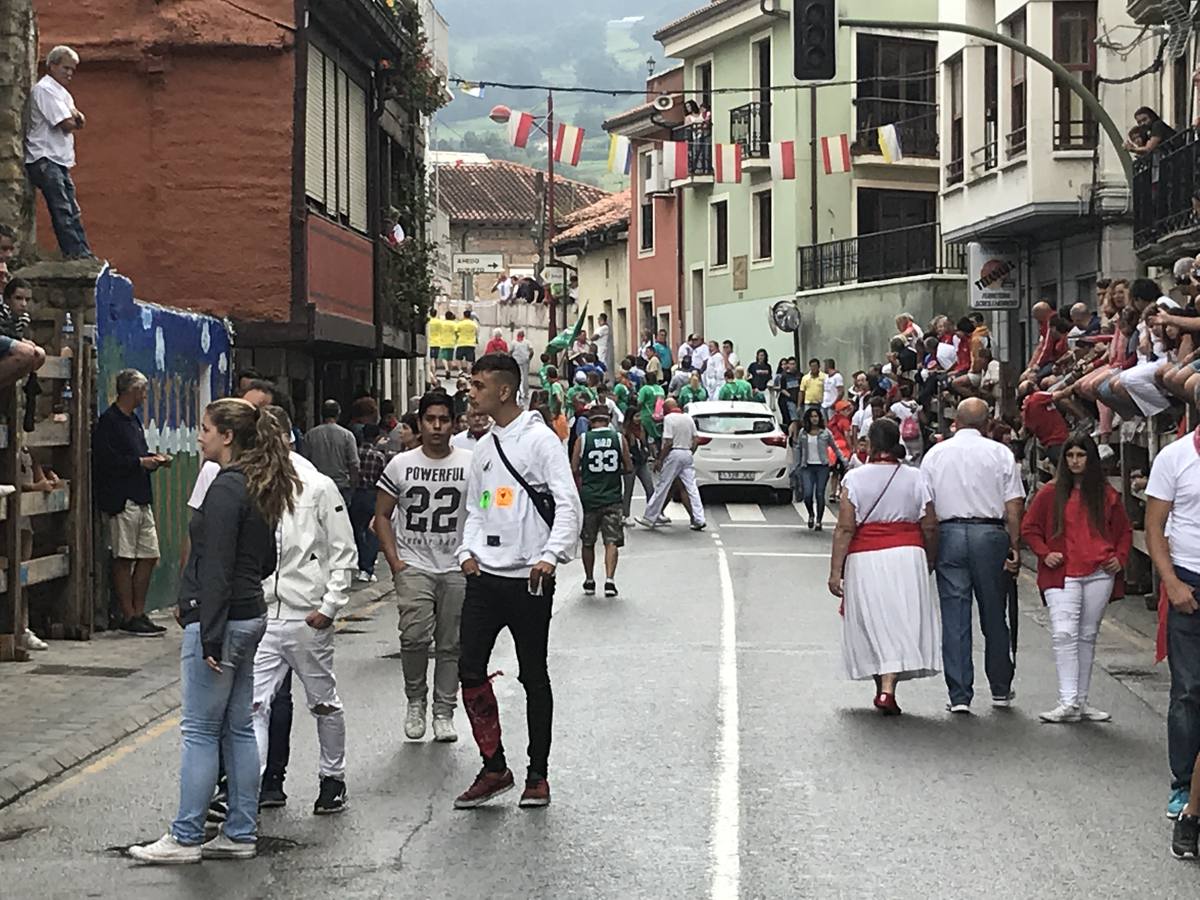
702 84
991 108
896 86
1181 89
645 185
1075 49
606 270
954 168
1016 88
335 164
763 225
720 234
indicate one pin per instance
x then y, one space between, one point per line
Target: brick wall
515 242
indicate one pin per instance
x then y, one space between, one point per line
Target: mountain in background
539 42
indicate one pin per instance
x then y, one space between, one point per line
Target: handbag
543 501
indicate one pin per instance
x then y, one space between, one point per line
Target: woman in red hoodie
1078 528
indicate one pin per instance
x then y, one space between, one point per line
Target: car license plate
735 476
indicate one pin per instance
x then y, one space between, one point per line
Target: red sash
885 536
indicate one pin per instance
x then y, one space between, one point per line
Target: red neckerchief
862 457
884 457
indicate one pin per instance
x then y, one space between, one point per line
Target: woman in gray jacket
813 442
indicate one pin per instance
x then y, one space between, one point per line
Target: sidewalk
79 698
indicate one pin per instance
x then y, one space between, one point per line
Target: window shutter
314 127
357 99
332 149
343 124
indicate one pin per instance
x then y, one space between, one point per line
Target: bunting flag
520 126
675 160
889 144
620 154
783 161
569 145
727 163
835 153
472 90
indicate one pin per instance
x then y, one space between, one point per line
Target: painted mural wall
186 356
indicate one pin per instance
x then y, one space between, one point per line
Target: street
695 755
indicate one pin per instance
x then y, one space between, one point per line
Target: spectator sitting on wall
1084 322
14 310
50 149
1154 129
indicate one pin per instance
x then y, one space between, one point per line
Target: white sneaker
360 576
1061 713
372 578
414 721
1004 702
443 730
1093 715
662 520
166 851
33 642
644 522
959 709
222 847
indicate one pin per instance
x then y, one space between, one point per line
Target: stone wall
18 49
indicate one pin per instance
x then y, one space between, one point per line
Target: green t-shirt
736 390
557 398
580 390
689 395
621 395
600 482
542 376
646 399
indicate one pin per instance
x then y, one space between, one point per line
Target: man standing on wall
123 462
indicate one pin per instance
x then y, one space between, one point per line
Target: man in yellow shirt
812 386
466 333
435 337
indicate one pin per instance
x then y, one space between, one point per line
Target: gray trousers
430 608
678 464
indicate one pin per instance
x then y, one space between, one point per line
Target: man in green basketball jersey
599 461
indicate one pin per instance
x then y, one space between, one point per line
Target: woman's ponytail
261 451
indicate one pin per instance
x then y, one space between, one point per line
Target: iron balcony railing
898 253
1163 184
698 137
916 125
750 126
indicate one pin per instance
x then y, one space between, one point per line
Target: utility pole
18 62
553 326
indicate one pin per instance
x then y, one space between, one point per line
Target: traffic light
814 39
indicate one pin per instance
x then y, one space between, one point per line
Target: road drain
15 834
267 845
351 631
1131 672
355 617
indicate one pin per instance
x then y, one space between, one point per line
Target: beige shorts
132 534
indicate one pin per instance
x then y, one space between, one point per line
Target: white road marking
726 867
745 512
676 512
829 517
793 527
800 555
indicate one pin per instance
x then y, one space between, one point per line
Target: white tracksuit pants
1075 613
293 643
678 464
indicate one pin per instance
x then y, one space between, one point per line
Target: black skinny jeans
493 603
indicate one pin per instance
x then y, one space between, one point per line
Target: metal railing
1014 142
954 171
1163 184
750 126
916 125
698 137
898 253
1076 134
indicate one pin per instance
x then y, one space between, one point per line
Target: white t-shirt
1175 478
430 507
862 420
680 430
833 384
209 471
947 355
50 103
972 477
904 500
903 409
464 440
505 288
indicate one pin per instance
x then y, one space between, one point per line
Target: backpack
910 428
657 415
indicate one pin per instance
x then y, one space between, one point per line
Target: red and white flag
520 126
783 161
675 160
727 163
835 153
569 145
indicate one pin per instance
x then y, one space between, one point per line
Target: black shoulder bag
543 501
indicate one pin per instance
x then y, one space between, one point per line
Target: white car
741 444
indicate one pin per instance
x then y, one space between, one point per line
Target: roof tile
501 191
612 210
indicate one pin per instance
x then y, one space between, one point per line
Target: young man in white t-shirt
1173 542
835 388
675 462
419 515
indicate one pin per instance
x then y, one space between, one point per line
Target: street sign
992 270
475 263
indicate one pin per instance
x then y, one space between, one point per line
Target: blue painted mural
186 356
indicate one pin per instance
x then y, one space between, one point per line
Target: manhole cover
93 671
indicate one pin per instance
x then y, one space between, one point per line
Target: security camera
664 102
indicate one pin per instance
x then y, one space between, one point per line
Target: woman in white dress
886 534
714 370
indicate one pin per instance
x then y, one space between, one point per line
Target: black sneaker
271 796
145 620
332 798
610 589
137 628
589 587
1185 837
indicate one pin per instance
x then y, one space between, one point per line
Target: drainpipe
773 13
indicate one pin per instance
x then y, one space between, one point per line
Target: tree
18 62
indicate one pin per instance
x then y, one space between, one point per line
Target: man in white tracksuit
317 558
675 462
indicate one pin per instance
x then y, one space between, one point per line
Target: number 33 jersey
430 507
600 481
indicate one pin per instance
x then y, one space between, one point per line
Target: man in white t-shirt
835 388
478 426
675 461
50 149
1173 542
861 423
419 516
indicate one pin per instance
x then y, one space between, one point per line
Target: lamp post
501 115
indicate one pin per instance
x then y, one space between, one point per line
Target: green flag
563 341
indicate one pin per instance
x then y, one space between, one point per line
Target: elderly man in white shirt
50 149
978 497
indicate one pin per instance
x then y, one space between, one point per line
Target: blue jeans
362 511
813 480
1183 711
971 560
217 718
54 181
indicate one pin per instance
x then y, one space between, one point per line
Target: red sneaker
487 785
886 704
536 793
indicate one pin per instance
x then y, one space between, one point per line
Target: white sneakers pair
414 724
1070 713
167 851
32 642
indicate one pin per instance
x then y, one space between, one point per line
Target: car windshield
734 423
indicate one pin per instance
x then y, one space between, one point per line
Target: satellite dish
784 316
664 102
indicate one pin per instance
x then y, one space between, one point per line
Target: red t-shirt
1087 549
1052 347
1044 421
964 356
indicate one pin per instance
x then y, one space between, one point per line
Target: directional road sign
474 263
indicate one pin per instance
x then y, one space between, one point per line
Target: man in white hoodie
317 559
523 520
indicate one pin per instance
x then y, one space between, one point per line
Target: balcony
899 253
750 126
698 137
1164 220
1148 12
916 125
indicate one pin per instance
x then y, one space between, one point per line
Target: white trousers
294 644
678 464
1075 613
